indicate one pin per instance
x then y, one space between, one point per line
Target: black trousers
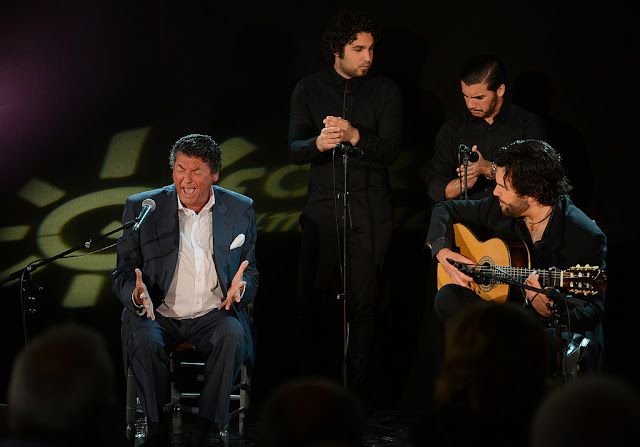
218 335
452 298
319 314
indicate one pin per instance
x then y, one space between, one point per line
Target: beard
352 71
516 208
490 111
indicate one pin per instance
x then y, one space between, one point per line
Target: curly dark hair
198 145
482 69
534 169
343 29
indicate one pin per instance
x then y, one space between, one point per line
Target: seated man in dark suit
187 274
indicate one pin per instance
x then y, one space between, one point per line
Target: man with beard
345 108
530 204
491 123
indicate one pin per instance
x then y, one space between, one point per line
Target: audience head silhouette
311 413
589 411
495 363
61 387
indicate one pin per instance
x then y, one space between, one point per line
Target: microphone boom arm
37 264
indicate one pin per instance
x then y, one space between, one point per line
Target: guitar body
492 251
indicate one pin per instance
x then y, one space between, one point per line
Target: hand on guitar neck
540 302
457 277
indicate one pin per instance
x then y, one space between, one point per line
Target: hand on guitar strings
540 302
457 277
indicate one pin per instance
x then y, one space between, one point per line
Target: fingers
138 277
243 266
328 139
148 305
335 121
533 279
228 302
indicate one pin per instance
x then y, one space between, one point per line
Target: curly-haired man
342 107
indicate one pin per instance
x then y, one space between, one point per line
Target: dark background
74 74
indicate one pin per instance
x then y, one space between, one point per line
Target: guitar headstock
585 279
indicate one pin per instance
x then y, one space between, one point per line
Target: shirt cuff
139 310
437 244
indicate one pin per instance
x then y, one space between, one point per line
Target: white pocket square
237 242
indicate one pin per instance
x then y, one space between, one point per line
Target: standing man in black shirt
352 106
491 123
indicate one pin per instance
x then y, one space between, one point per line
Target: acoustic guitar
510 259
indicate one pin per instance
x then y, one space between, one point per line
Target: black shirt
510 124
371 104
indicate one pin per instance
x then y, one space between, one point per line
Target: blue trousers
218 335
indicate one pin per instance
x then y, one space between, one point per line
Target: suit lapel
222 233
168 223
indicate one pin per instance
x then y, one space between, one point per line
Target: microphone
471 155
148 205
347 148
459 265
478 278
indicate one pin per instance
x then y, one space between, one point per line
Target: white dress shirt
195 289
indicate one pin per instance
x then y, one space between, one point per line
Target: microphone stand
346 150
28 287
465 163
558 298
465 152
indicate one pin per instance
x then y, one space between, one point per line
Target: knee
147 335
447 301
235 335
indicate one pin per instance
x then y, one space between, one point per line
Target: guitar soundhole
486 260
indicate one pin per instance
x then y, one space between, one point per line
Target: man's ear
501 90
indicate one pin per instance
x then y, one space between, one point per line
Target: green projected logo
279 193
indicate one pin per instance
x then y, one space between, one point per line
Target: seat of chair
185 346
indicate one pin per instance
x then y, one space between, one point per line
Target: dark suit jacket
154 250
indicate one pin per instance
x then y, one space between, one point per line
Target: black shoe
158 436
199 437
156 441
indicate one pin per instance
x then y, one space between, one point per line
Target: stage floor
381 430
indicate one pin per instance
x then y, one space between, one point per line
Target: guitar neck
548 278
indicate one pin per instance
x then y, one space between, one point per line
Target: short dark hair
198 145
343 29
485 68
534 169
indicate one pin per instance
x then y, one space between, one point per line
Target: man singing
187 275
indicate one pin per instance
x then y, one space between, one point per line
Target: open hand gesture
141 295
235 290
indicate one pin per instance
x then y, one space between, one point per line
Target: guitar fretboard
548 277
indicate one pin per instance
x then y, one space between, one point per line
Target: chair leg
130 406
176 415
244 401
224 434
